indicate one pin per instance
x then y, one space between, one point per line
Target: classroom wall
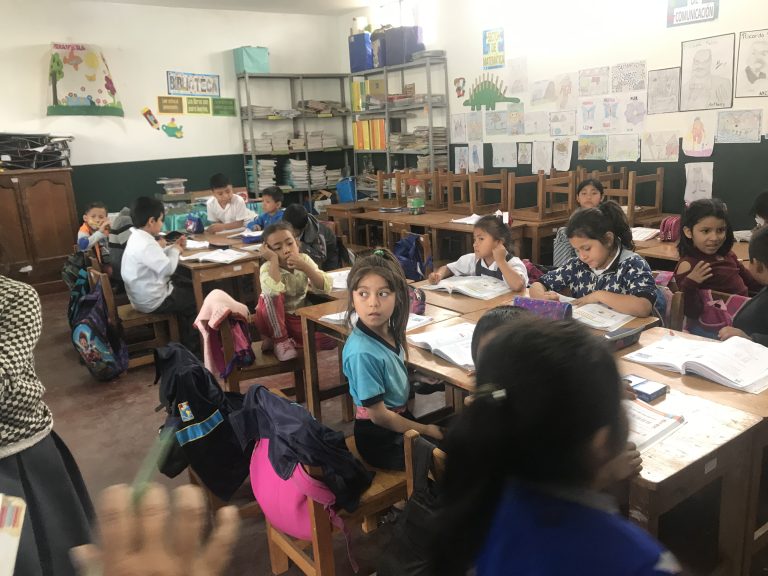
562 36
116 159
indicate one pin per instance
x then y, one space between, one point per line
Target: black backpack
99 343
198 411
408 551
75 276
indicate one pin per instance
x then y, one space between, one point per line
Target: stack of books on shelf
265 173
284 113
333 176
257 111
441 162
315 140
295 173
368 95
296 143
369 134
322 107
280 142
330 141
317 177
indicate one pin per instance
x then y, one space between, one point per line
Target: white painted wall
141 43
561 36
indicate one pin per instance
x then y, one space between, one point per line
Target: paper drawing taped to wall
504 155
699 134
459 128
663 146
623 148
739 126
80 82
566 88
524 152
517 75
516 121
593 147
698 181
543 92
594 81
663 90
476 160
752 68
536 122
496 122
460 159
561 157
562 123
474 126
628 77
707 73
588 122
542 157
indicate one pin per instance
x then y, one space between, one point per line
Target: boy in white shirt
226 210
148 265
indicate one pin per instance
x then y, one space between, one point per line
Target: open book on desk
481 287
414 320
453 343
598 316
641 234
737 363
648 425
220 256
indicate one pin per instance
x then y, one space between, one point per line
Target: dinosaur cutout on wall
488 90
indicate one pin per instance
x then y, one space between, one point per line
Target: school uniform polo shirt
467 266
376 371
146 269
232 212
293 283
264 220
627 274
568 531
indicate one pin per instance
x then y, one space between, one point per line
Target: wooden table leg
755 537
311 376
197 288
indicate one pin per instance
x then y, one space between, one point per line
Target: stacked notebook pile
317 176
321 107
265 173
257 111
330 141
332 177
280 142
315 140
297 143
296 174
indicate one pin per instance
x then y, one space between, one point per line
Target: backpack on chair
409 253
669 230
75 276
100 345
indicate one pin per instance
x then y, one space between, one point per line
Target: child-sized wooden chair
165 327
389 189
555 197
650 213
455 189
487 192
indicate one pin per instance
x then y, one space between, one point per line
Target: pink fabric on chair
217 306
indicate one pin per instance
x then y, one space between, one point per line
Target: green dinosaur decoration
487 91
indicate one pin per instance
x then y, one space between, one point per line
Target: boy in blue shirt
272 204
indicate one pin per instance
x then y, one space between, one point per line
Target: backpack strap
422 460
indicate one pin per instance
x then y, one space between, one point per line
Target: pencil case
551 309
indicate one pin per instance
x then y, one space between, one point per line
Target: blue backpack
103 351
408 252
75 276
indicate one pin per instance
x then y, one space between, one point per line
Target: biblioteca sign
681 12
187 84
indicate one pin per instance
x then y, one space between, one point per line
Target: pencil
157 452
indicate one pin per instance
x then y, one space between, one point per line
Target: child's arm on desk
442 273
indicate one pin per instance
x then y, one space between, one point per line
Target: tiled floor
109 427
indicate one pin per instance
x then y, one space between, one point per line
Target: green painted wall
117 185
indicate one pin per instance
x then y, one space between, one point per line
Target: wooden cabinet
38 223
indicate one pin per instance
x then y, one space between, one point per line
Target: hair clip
378 252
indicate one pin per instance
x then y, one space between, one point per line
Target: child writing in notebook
286 276
492 256
706 259
374 360
524 460
751 321
226 210
606 271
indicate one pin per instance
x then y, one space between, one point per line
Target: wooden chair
480 185
436 470
164 326
389 189
677 313
388 488
608 178
399 231
455 189
555 197
650 213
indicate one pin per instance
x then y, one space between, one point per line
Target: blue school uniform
377 373
568 531
265 219
627 274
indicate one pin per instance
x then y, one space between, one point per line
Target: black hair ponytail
595 223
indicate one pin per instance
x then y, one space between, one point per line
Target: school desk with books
452 343
481 287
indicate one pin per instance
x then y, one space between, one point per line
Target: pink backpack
718 314
669 231
284 502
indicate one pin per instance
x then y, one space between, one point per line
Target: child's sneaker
285 350
267 344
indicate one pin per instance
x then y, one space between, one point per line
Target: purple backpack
103 351
718 314
669 230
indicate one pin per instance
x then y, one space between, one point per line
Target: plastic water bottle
415 197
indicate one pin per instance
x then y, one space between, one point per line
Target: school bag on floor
198 412
100 344
408 252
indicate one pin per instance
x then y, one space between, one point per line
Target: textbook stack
295 173
315 140
265 173
369 134
297 143
317 176
332 177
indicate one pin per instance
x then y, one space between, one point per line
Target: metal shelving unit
248 87
390 112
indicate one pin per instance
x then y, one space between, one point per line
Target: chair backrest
656 180
481 186
558 196
608 178
387 188
518 210
626 197
455 188
437 469
95 277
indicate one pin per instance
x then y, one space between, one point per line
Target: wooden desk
378 217
538 231
755 536
668 250
310 320
342 213
517 230
464 304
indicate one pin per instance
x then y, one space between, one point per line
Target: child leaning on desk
148 266
605 270
272 204
286 276
226 210
374 360
524 461
751 321
492 256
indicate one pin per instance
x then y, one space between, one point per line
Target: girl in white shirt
492 256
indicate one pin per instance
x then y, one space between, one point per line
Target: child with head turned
374 360
522 483
272 204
